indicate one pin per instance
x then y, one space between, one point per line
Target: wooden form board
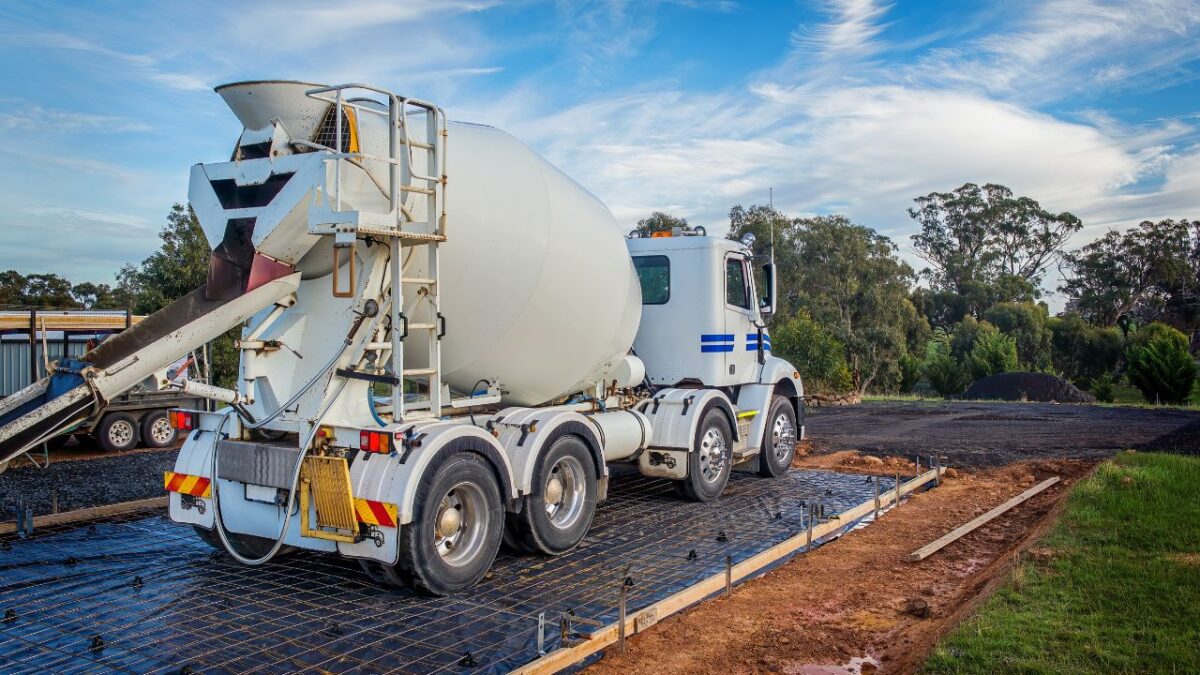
953 535
81 515
82 322
637 621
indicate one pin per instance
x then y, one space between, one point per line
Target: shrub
910 372
818 355
1160 365
1104 388
1083 352
1024 322
993 352
946 375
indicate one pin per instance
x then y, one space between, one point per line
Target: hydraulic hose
295 482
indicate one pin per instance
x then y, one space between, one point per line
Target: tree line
853 316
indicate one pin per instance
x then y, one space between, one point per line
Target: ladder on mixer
400 228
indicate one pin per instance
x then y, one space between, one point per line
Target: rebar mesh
141 594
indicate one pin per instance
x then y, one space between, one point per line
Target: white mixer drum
537 285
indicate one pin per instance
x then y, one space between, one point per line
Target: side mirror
767 305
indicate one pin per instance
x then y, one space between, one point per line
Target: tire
779 439
442 553
711 459
3 467
117 431
558 511
157 431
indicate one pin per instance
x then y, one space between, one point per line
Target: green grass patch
1120 595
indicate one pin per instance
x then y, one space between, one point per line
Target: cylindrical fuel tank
537 288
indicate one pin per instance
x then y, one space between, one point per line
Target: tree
944 308
1025 322
96 296
661 222
1130 272
177 268
1161 366
850 280
982 235
945 374
767 225
48 291
993 352
1081 351
818 355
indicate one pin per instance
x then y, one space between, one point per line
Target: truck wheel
117 431
455 533
157 431
779 439
710 460
559 508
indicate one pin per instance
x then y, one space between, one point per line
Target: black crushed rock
84 483
975 435
1040 387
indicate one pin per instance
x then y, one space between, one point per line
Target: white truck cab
701 319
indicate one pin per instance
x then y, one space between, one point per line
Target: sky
686 106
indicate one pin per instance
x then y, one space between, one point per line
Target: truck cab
702 318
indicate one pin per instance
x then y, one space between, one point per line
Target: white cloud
22 116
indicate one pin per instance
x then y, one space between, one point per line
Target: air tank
537 287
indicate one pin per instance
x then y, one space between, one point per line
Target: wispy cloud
19 115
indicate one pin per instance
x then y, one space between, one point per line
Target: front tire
456 528
117 432
711 459
559 509
779 439
157 431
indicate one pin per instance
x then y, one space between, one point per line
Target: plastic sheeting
146 595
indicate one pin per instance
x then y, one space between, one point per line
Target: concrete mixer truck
446 345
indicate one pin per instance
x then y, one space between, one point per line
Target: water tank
537 287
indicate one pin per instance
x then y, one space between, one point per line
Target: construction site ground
858 606
854 606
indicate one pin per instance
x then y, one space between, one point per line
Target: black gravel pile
1039 387
82 484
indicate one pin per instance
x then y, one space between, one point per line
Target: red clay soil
855 605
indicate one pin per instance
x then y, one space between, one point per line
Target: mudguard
524 432
675 414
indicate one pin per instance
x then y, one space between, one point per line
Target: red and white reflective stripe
376 513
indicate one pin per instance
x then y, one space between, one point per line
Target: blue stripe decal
753 347
716 338
716 348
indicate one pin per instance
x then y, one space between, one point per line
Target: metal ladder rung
422 326
418 280
419 372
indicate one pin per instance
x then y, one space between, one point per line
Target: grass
1121 593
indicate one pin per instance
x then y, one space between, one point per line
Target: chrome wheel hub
783 437
712 455
565 493
461 524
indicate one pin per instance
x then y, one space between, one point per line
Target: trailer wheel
456 529
117 431
779 439
559 509
710 461
157 431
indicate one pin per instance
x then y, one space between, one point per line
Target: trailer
441 351
30 340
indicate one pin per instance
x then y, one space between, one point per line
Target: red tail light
375 441
183 421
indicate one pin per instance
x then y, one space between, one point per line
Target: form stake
621 618
876 497
541 636
728 574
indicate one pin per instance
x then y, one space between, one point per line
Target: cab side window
737 286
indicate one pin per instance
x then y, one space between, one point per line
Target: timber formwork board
137 593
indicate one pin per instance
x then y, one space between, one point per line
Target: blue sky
843 106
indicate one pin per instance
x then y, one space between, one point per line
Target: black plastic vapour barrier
141 594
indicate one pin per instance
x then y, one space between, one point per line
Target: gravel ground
85 483
993 434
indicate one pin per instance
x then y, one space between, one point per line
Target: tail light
181 420
375 441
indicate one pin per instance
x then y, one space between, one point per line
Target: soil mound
1027 387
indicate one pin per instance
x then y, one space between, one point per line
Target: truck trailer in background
446 343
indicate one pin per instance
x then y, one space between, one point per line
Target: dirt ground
855 605
973 435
